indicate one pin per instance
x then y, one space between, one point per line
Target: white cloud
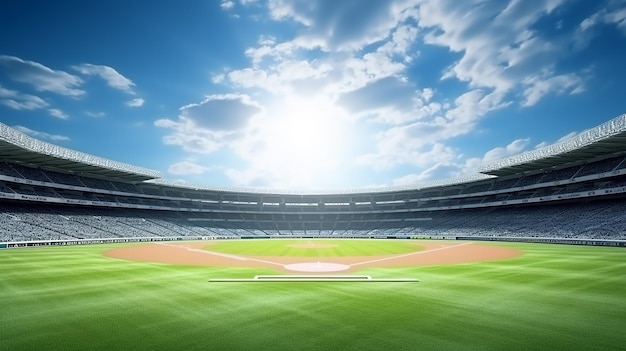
382 92
19 101
218 78
370 67
437 171
137 102
42 135
498 48
427 94
190 139
269 48
99 114
407 145
537 87
363 58
55 112
22 104
112 77
285 78
342 25
208 126
561 139
421 143
401 41
457 166
221 112
500 56
186 168
513 148
613 13
469 107
279 67
40 77
340 75
566 136
227 5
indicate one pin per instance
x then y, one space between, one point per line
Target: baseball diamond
191 253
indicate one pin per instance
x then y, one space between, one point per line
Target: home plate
316 267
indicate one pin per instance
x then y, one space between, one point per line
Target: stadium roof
17 146
604 140
607 139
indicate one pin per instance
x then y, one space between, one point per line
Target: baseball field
164 296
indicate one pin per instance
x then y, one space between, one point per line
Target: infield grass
315 248
552 297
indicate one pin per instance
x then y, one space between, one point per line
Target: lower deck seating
585 220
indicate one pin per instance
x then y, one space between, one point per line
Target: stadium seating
555 198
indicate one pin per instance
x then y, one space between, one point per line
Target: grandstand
573 191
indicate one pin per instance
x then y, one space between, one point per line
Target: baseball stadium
529 253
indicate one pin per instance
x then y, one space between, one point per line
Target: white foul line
234 257
411 254
241 258
205 252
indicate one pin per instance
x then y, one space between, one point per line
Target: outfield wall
589 242
18 244
11 245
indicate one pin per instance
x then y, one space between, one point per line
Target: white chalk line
205 252
410 254
234 257
264 261
241 258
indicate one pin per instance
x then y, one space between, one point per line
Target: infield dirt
199 254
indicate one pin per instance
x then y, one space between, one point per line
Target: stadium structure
570 192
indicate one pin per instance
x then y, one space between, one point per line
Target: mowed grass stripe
319 248
537 301
487 308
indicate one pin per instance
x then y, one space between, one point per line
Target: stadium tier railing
565 241
38 243
537 240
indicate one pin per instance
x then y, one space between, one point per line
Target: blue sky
310 94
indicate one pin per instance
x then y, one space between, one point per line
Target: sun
304 140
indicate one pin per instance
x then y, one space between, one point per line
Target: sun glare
305 140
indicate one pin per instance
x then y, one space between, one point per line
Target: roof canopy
605 140
19 147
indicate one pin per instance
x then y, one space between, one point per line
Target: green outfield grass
553 297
